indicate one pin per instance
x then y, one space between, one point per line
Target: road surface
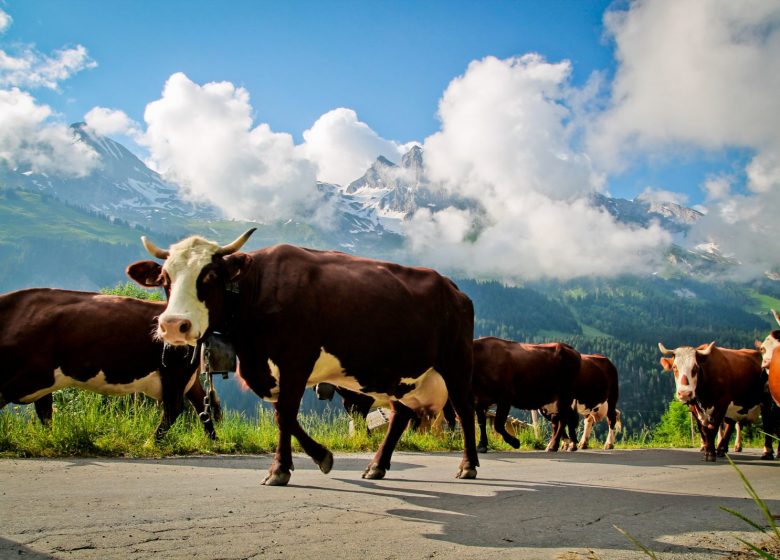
523 505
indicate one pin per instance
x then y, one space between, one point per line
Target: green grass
87 424
763 304
28 214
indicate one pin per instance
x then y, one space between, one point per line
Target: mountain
395 192
121 187
672 217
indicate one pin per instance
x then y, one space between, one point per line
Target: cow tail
618 423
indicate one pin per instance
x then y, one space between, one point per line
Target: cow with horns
298 317
770 359
53 339
720 385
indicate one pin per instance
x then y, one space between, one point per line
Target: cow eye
210 277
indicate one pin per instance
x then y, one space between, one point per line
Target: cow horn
776 315
153 249
664 350
231 248
706 351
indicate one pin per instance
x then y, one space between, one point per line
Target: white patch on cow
598 412
429 394
551 408
767 349
150 385
733 412
685 361
184 265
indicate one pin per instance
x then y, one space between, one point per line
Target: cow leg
768 423
572 421
450 416
43 408
460 396
499 423
612 418
738 441
558 426
709 434
196 396
482 421
292 385
173 403
723 444
400 416
586 429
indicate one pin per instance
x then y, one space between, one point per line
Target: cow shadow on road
533 514
11 549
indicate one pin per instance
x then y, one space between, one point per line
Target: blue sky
390 61
526 106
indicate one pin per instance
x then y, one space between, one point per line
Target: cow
595 397
298 317
526 376
770 360
360 404
720 385
52 339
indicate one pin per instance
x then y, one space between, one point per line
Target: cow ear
146 273
236 264
667 363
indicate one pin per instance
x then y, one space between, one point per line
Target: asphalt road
522 505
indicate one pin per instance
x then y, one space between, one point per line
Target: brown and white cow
300 317
770 359
720 385
596 394
528 377
53 339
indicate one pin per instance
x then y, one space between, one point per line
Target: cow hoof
738 449
551 449
374 472
609 446
571 448
709 457
467 473
276 479
767 456
514 442
582 446
327 463
721 452
482 449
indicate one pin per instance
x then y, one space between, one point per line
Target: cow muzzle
685 396
176 331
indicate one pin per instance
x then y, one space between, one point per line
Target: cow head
686 363
194 276
771 342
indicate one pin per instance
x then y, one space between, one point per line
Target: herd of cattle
379 331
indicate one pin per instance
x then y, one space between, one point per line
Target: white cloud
718 187
107 122
691 73
660 195
5 21
505 141
344 147
29 138
701 76
31 69
203 138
